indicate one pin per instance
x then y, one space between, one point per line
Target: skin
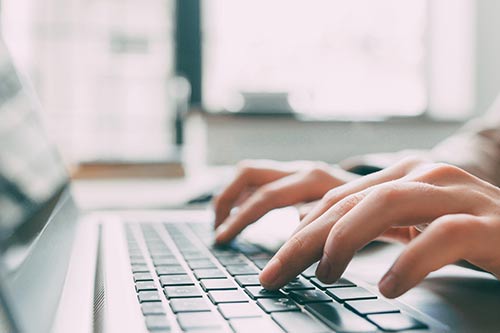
461 210
262 185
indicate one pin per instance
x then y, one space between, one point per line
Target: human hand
262 185
463 213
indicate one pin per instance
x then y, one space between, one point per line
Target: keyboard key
299 284
248 280
298 322
371 306
218 284
137 261
261 263
157 322
162 256
166 262
148 296
233 260
350 293
342 282
252 325
182 292
240 310
246 248
310 271
189 305
152 308
242 270
143 277
194 255
209 273
227 296
277 304
339 319
259 292
309 296
201 263
144 285
396 322
199 320
176 280
170 270
261 255
140 269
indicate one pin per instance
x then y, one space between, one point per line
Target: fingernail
388 286
271 273
323 270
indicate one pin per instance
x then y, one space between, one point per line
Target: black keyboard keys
350 293
218 284
299 283
371 306
309 296
248 280
342 282
339 319
176 280
277 304
227 296
189 305
148 296
157 323
396 322
298 322
182 292
259 292
240 310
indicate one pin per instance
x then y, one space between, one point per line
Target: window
327 58
100 69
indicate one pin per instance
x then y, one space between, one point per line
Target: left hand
463 213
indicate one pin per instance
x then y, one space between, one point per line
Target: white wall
487 52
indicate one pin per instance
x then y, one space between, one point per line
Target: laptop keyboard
183 283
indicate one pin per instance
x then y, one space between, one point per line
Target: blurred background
281 79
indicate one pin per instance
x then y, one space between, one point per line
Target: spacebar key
339 318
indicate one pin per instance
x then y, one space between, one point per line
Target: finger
302 249
245 178
306 208
445 241
386 205
399 234
397 171
299 187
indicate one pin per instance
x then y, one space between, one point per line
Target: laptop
67 270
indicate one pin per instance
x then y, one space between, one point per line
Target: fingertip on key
270 274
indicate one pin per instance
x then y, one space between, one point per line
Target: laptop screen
31 173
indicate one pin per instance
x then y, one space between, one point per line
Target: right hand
263 185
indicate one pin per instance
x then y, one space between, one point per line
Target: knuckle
441 170
452 227
295 244
387 193
348 203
